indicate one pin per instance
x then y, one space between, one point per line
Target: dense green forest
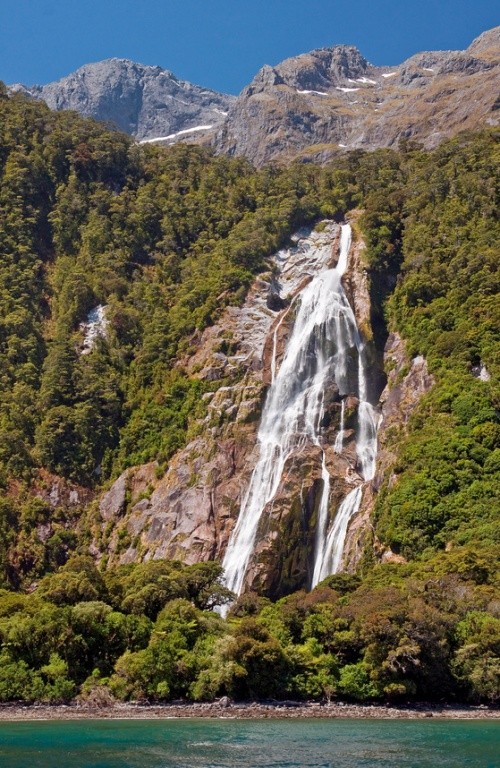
165 239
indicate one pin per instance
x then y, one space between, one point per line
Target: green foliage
165 239
445 307
355 682
18 682
477 659
428 635
76 581
58 688
146 588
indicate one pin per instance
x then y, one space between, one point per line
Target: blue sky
222 43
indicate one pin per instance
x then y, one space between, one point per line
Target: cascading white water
329 548
329 554
339 440
95 325
319 350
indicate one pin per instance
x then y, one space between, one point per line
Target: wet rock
274 301
481 372
407 382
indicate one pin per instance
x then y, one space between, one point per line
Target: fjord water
323 345
250 744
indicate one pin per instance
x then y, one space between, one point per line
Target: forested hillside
164 239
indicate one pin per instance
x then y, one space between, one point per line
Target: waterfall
320 348
330 548
339 440
95 325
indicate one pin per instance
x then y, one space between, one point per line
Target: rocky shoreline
243 710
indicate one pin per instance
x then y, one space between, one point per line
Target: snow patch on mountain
318 93
172 136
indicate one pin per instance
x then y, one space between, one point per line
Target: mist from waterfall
319 351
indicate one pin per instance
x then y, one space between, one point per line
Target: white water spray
339 440
322 344
330 548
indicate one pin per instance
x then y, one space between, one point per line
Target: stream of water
322 347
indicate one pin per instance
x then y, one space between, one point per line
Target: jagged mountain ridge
314 103
142 319
144 101
306 107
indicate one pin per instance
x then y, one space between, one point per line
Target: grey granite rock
308 107
312 106
147 102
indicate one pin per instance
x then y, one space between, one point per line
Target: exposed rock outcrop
316 104
60 493
147 102
307 107
407 382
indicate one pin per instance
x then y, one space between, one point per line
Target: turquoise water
250 744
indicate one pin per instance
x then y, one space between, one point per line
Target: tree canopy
164 239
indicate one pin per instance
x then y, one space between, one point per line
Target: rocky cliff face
147 102
407 381
308 107
312 105
188 512
332 99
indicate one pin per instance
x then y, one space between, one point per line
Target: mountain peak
145 101
318 103
307 106
125 66
322 67
488 42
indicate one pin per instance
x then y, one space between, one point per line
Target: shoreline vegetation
157 243
226 709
